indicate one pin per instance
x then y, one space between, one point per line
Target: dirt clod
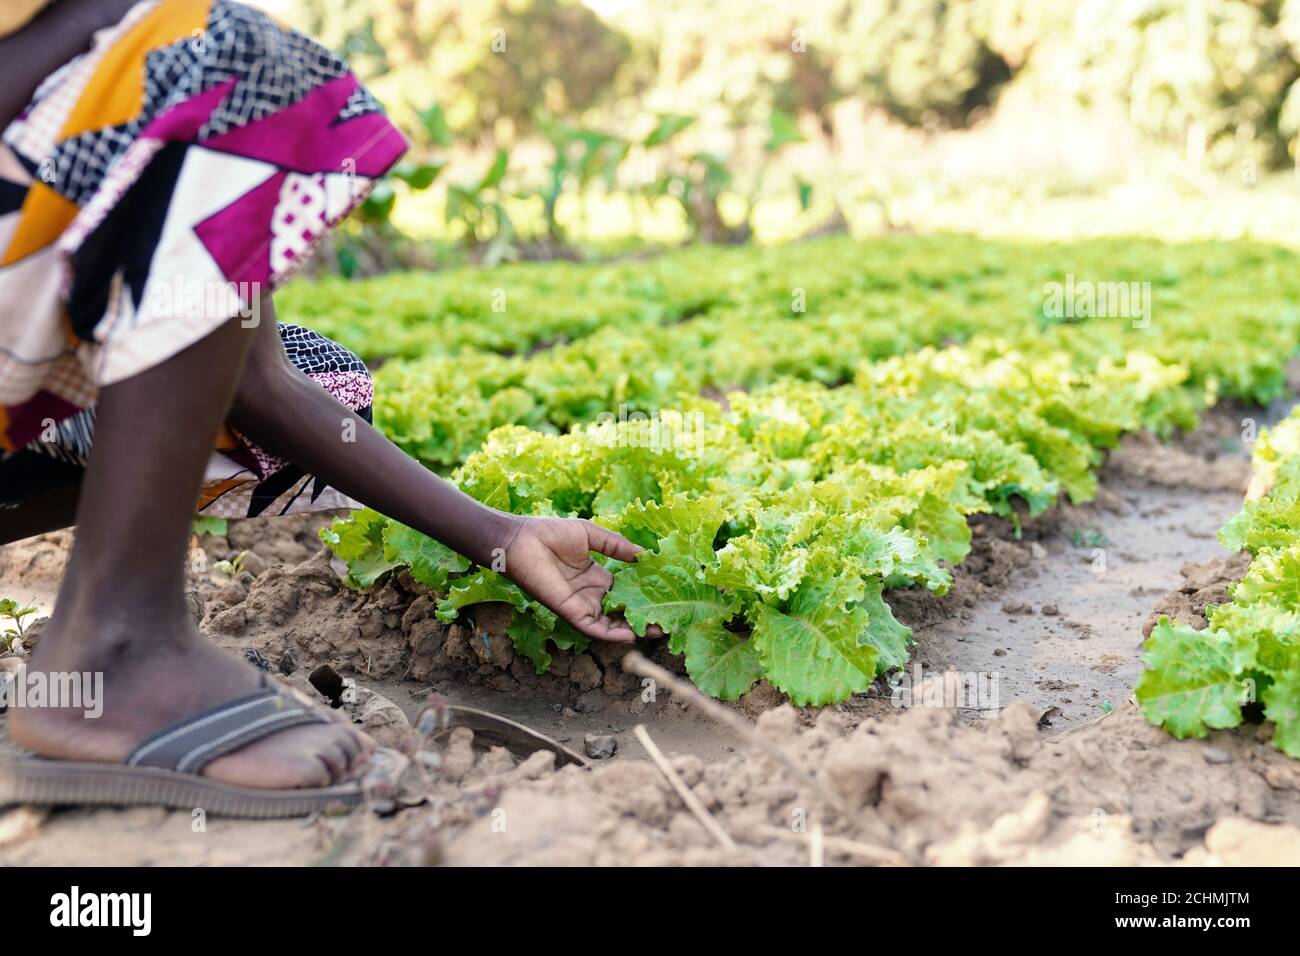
1204 583
599 746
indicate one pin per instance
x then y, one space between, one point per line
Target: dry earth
1053 764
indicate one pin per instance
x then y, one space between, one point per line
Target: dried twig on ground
862 852
636 663
688 797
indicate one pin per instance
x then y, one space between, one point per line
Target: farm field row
971 283
778 518
513 308
859 301
1249 655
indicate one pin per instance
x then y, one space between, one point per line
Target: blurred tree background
561 127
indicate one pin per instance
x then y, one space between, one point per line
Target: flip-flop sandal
164 769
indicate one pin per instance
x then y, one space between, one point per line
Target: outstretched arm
291 416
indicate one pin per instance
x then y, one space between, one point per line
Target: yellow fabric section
15 14
113 96
210 493
45 214
226 440
116 91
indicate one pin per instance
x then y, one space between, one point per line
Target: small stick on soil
864 852
636 663
817 846
1130 702
639 665
688 797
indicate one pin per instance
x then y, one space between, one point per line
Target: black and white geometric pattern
79 165
359 103
275 68
72 439
311 352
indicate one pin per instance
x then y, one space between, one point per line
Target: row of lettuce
600 342
1248 657
516 308
776 521
791 433
968 283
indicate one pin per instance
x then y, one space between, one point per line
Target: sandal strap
193 742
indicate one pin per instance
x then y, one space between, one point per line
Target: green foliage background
1225 70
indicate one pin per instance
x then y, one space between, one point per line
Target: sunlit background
549 126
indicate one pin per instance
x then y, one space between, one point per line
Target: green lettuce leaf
359 540
480 587
667 588
1271 523
1274 577
811 650
1193 682
722 664
695 519
891 638
430 562
531 638
1281 701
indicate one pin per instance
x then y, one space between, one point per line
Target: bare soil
1057 768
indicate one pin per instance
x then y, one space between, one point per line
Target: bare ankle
102 642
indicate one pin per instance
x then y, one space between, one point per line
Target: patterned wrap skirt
156 187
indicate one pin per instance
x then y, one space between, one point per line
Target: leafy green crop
550 346
775 526
923 383
206 524
1199 681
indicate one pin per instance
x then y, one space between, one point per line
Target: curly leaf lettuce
1193 681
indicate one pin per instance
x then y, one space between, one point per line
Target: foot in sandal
149 686
164 411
